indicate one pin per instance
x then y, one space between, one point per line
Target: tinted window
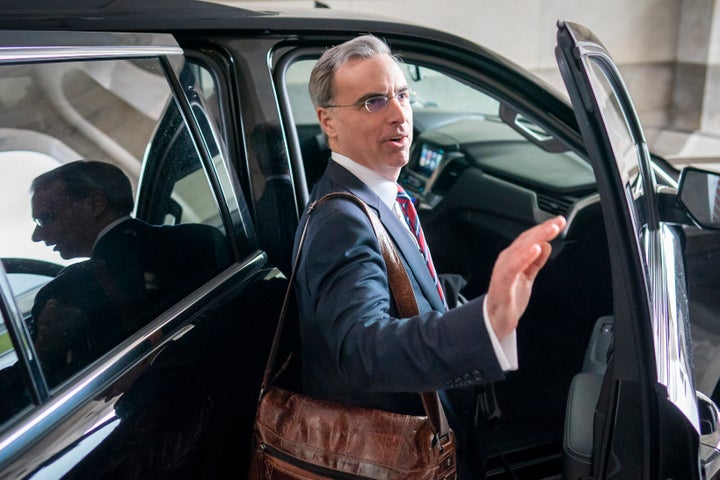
659 246
122 113
15 396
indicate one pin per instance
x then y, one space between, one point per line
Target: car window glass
626 154
206 90
121 113
15 396
659 247
203 91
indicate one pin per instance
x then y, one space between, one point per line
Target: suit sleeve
346 311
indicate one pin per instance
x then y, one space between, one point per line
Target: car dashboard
512 176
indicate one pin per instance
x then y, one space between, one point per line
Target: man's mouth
399 139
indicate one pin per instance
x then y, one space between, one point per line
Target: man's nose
36 234
397 111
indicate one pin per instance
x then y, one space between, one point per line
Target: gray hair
321 78
82 177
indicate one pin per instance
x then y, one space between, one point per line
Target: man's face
62 222
381 140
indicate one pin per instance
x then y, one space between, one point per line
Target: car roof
194 18
165 15
156 11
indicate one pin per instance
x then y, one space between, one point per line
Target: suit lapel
343 180
410 252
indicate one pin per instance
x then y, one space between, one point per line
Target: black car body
206 108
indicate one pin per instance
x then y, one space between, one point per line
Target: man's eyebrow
368 96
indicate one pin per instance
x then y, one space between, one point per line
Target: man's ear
98 202
326 119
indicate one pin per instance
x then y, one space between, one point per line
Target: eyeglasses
45 219
379 103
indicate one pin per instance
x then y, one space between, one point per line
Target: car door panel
153 418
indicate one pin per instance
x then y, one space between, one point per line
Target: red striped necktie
413 221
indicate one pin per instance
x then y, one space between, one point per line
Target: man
82 209
355 349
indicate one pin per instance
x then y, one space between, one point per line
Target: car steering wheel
31 266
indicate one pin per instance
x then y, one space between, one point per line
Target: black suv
205 108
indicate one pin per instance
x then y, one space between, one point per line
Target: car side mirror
699 194
709 434
709 415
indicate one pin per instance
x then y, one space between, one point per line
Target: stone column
696 97
710 120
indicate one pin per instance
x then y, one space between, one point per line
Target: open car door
640 418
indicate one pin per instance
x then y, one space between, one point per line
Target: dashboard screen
429 159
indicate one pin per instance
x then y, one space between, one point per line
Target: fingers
531 249
534 265
545 231
515 271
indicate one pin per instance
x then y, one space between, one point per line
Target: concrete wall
667 50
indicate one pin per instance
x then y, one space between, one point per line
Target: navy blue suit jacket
354 348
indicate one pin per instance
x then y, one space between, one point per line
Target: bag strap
400 289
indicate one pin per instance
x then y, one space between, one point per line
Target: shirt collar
384 188
109 227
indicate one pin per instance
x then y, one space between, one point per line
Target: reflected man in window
82 209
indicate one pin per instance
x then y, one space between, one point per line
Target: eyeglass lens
376 104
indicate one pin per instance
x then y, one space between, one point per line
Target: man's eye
44 220
402 96
376 101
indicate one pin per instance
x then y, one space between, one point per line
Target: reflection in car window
168 240
14 394
616 123
17 169
659 245
626 153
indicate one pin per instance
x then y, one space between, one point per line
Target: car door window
15 394
652 320
77 306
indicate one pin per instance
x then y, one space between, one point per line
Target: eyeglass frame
412 98
51 217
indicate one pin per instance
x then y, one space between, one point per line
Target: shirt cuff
505 349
